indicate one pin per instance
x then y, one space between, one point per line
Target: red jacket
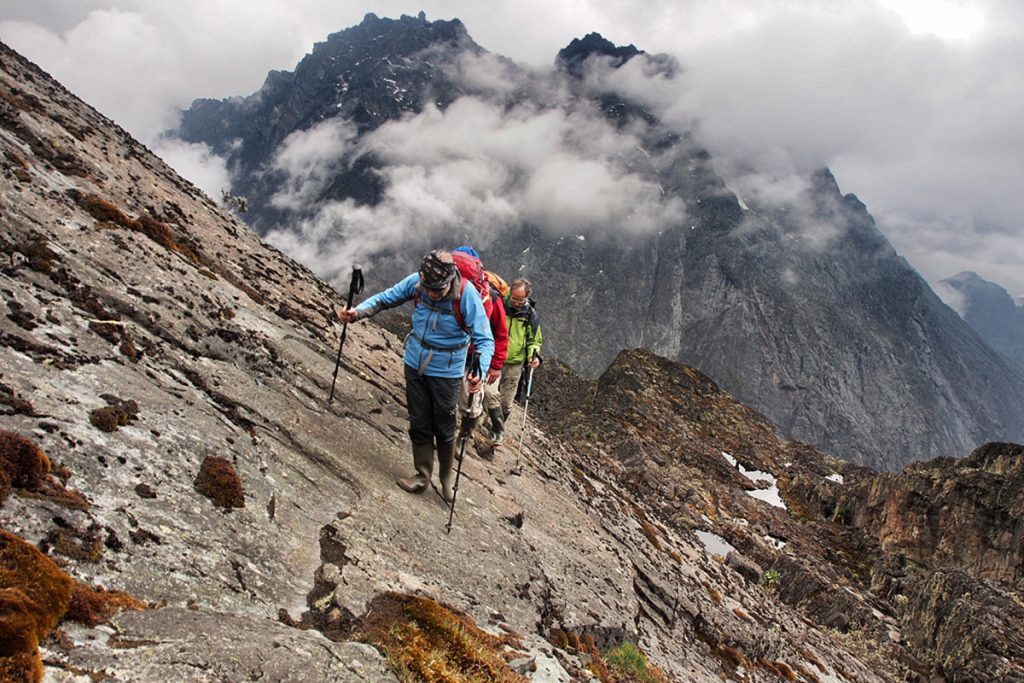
499 328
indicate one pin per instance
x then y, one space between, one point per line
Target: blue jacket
437 346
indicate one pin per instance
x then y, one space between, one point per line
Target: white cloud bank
914 105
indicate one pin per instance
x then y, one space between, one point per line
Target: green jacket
524 335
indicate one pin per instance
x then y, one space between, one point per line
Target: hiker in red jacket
471 269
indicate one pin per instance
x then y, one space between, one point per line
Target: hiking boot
497 434
423 461
446 471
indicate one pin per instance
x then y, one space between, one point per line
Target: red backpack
472 271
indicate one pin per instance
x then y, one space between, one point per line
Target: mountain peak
572 57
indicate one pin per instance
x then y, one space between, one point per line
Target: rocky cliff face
798 306
992 312
168 372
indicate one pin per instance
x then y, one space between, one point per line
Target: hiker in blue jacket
447 315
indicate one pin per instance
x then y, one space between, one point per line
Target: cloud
309 160
197 162
479 168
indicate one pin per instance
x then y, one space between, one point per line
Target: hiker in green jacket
524 339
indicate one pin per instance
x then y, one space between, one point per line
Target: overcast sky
916 106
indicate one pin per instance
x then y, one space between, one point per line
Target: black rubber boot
423 461
446 470
497 425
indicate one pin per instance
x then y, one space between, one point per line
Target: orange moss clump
109 216
34 595
218 481
117 414
427 641
92 606
22 464
104 211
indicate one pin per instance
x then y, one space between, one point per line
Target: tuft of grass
424 640
218 481
780 669
627 663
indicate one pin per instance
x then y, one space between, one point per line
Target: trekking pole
463 438
354 288
526 407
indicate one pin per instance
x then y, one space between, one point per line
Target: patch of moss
117 413
427 641
218 481
109 216
780 669
25 465
103 211
651 533
34 595
84 546
18 628
92 606
558 638
38 255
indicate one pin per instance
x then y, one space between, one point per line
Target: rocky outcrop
966 514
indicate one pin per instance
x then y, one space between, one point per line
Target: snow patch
714 544
769 495
837 478
776 543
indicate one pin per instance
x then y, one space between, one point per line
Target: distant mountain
795 303
992 312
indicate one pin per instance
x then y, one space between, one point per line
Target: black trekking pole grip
354 288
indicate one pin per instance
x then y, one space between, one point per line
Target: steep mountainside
178 501
991 311
798 305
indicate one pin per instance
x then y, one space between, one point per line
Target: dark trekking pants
432 402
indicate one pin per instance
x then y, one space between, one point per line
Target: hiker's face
437 294
517 297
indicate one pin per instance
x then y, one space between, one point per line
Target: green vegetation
772 579
627 663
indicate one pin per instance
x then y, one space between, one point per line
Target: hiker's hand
473 383
535 362
347 315
493 375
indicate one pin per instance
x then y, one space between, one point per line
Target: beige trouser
475 401
503 392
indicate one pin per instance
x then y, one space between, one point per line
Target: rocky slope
798 305
992 312
174 370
